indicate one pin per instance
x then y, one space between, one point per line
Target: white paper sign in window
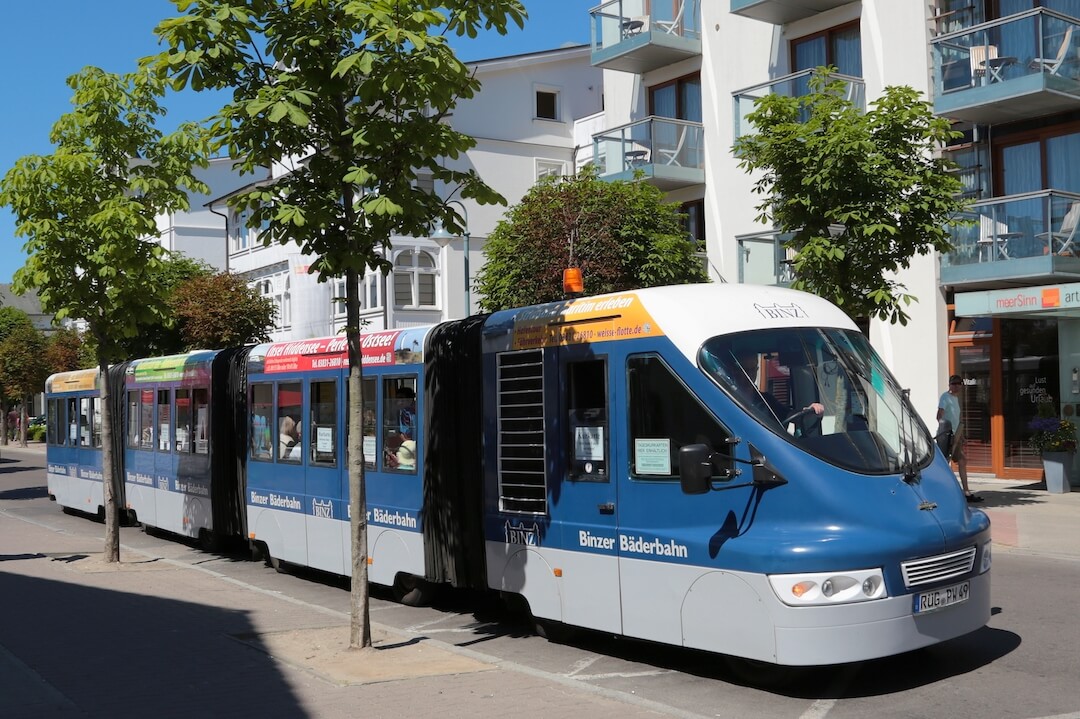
652 456
589 443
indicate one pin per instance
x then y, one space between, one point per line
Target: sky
43 42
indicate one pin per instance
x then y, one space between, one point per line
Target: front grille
936 569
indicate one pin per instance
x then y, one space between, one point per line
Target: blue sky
45 41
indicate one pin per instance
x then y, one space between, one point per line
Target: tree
23 368
220 311
65 351
863 193
84 210
360 89
620 234
164 336
12 319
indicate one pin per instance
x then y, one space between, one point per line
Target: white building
681 75
523 120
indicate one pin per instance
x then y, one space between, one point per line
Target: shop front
1018 351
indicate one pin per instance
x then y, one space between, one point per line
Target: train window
586 404
183 421
95 422
371 426
53 436
262 409
289 400
164 419
323 423
73 422
84 421
664 416
133 419
146 419
400 430
200 400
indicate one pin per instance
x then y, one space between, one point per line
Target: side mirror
695 468
765 475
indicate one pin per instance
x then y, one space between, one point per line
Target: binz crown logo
523 534
322 509
778 312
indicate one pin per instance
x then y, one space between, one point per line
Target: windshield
826 390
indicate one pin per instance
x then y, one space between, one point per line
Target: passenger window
371 428
289 442
201 402
84 422
146 419
95 422
262 413
400 429
133 419
53 423
586 402
73 422
183 421
665 416
323 432
164 421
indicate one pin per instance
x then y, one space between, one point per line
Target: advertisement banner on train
327 353
593 319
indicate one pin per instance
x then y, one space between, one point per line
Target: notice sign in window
652 456
589 443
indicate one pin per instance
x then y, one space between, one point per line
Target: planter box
1057 466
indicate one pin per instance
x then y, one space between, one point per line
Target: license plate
940 598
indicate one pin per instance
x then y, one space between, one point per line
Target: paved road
174 638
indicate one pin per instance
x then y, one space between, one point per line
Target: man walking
949 410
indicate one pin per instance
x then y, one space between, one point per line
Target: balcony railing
795 85
670 152
763 259
781 12
1035 224
639 36
1021 66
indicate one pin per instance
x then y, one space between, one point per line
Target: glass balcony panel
763 259
1021 66
639 36
670 152
795 85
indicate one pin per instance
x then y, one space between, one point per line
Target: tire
412 591
554 632
209 541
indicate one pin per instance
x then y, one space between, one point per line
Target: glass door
973 363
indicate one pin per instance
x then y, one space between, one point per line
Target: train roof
685 314
385 347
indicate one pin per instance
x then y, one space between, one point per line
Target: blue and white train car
724 467
297 473
183 417
73 440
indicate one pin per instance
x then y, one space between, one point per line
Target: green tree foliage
361 89
23 368
84 210
12 319
863 193
621 235
220 311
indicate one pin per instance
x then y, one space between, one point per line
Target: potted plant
1055 438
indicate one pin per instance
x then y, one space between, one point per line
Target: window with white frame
238 230
547 103
548 168
370 294
278 289
414 279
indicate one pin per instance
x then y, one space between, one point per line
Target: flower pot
1057 466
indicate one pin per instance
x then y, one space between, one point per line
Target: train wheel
555 632
272 561
412 591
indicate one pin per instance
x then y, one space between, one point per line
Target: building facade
527 121
681 76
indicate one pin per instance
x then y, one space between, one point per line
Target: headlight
825 588
984 565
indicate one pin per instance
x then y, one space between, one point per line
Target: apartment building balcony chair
671 27
670 155
1053 65
1061 240
979 55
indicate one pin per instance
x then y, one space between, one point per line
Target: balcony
763 259
780 12
670 153
627 37
1016 240
1018 67
795 85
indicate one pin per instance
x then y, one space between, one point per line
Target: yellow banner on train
76 381
581 321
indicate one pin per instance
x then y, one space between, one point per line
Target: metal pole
468 300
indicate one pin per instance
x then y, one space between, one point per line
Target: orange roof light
572 282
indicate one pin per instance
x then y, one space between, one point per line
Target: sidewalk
1025 517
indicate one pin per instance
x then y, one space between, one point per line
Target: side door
583 494
318 450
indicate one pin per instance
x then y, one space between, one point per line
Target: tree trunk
112 511
23 419
360 617
3 424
